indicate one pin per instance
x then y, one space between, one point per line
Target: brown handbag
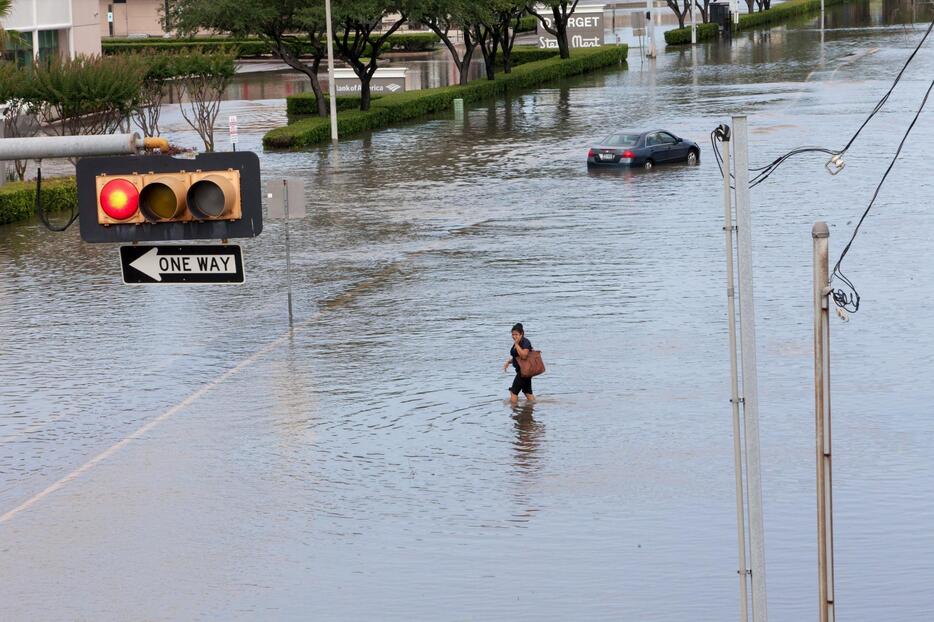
531 365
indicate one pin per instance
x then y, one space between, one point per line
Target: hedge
414 104
527 24
783 11
405 42
307 103
522 54
18 198
682 36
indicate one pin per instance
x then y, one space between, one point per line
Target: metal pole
332 88
288 258
728 228
747 315
820 234
42 147
650 27
694 29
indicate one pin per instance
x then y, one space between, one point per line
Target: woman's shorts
521 384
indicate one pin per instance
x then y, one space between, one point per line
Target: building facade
45 28
126 18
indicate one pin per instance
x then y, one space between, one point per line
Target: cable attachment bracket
835 164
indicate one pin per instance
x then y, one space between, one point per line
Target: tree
487 34
443 16
18 109
201 79
359 39
704 10
682 11
6 6
557 24
510 14
278 22
86 95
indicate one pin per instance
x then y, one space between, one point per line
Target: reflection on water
366 468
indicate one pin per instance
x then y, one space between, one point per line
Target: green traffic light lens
158 202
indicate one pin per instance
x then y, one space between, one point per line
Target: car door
677 151
658 150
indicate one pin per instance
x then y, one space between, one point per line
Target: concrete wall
85 32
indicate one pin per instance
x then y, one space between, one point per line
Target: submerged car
643 150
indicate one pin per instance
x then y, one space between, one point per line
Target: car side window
665 137
651 140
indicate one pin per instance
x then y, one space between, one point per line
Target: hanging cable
40 208
846 297
836 162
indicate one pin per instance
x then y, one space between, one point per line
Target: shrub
522 54
782 12
413 104
86 95
19 119
17 199
413 41
307 103
682 36
529 23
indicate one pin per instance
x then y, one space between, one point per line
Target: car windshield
621 140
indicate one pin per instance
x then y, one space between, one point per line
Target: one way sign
181 264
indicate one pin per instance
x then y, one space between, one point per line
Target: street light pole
694 25
332 88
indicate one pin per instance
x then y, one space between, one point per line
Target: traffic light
151 198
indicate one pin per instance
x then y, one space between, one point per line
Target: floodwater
176 453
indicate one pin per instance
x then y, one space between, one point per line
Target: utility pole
728 230
747 313
821 234
332 88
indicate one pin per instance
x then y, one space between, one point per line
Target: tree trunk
751 6
292 60
508 40
464 67
561 27
488 39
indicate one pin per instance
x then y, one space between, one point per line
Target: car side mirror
680 140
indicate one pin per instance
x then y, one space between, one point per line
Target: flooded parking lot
175 453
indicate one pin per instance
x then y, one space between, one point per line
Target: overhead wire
846 297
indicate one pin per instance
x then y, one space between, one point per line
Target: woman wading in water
520 349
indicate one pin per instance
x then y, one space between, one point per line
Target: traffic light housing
153 198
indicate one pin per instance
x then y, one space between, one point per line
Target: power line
846 297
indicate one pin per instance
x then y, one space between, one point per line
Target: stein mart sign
585 28
384 82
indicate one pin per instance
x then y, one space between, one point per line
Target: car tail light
628 154
590 153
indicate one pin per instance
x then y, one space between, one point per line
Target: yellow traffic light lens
207 199
158 202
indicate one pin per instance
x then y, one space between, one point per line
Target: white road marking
188 401
233 371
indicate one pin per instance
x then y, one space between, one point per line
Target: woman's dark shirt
525 344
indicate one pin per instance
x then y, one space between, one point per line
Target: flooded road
175 453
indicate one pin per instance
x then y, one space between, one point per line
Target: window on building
18 47
48 44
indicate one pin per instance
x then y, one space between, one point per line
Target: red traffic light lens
119 199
